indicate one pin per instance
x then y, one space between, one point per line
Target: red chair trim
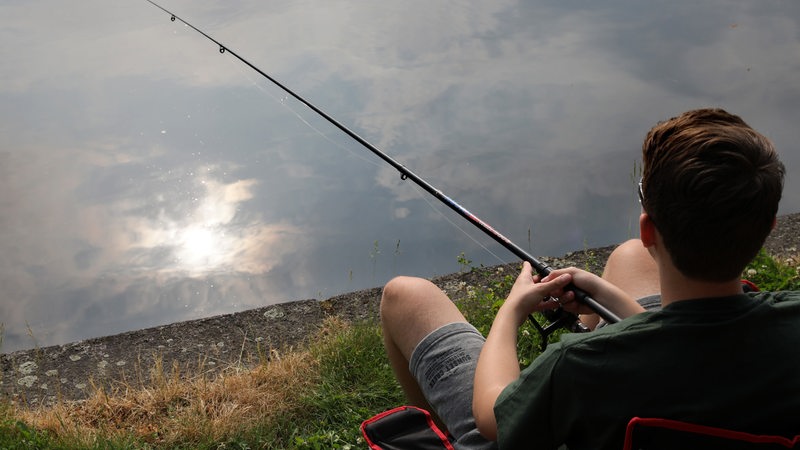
431 424
702 429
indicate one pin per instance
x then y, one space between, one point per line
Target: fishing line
457 226
420 193
563 318
283 101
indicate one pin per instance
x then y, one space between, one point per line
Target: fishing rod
558 319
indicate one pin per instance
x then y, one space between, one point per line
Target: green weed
464 263
769 274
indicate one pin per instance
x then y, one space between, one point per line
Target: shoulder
778 298
779 295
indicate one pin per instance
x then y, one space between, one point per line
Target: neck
674 285
677 287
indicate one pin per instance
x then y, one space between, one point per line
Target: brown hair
711 185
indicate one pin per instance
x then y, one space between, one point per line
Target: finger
558 272
567 297
527 270
557 284
573 305
545 291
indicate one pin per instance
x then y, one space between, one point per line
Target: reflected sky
146 179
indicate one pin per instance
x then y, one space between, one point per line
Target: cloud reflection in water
145 178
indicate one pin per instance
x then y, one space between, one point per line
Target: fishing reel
557 319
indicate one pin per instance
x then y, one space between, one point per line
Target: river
146 178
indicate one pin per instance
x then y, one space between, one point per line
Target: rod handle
582 296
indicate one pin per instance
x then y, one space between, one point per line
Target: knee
400 292
631 248
629 257
392 298
397 289
632 243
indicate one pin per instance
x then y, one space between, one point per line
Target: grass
311 399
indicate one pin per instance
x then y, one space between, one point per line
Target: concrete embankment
204 347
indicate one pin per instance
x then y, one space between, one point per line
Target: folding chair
661 434
404 428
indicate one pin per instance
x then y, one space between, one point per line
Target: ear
647 230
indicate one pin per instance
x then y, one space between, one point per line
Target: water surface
145 178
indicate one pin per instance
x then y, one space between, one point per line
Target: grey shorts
443 364
650 302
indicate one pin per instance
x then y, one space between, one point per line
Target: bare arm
608 294
498 365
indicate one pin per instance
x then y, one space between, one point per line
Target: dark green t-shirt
731 362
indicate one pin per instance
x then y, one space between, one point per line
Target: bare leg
411 308
631 268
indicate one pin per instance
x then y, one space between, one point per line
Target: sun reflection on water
201 248
202 238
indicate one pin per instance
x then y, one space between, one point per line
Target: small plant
464 263
32 336
373 256
635 176
530 240
591 258
396 256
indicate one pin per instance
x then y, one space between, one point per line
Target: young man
710 355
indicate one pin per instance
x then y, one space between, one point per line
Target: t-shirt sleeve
524 410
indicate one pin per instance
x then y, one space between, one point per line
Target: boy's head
711 185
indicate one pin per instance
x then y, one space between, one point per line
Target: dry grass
174 408
299 399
